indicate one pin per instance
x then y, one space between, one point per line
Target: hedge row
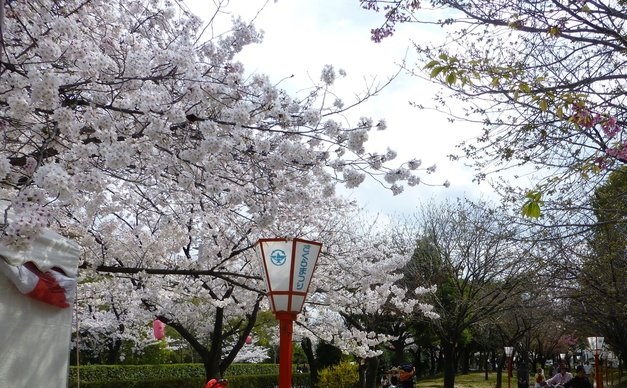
176 375
98 373
252 381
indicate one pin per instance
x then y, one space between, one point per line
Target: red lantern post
509 350
596 345
288 266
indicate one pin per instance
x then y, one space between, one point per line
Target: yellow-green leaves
449 67
559 111
451 78
531 207
544 105
554 31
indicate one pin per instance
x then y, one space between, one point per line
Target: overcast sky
301 36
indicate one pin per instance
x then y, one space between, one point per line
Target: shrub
252 381
343 375
177 375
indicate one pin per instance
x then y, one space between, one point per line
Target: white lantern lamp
287 268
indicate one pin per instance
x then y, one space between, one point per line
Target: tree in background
544 80
470 253
357 292
601 298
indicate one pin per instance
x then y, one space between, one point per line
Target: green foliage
602 286
151 355
160 383
100 373
342 375
241 380
531 208
252 369
450 67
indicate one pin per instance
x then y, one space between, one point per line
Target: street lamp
596 345
508 352
287 268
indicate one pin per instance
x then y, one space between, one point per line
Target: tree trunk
450 365
113 353
372 369
399 352
499 374
465 358
522 372
418 362
211 356
307 346
362 374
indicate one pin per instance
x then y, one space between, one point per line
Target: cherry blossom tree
356 289
129 128
543 80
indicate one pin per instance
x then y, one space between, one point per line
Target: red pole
286 323
597 372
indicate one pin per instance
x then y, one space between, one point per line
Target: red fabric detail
47 289
213 383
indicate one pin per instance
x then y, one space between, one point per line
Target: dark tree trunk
211 357
418 362
465 358
399 352
499 372
450 365
311 359
362 374
113 353
522 372
372 369
433 361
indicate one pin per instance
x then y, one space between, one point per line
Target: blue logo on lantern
278 257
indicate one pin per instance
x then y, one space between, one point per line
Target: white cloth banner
35 336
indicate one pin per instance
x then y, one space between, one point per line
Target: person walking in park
587 368
561 378
539 379
580 380
406 376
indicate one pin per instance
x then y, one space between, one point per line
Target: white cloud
301 36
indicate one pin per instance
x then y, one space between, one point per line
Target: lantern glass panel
277 258
305 257
596 344
297 303
280 302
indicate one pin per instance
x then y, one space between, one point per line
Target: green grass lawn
472 380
